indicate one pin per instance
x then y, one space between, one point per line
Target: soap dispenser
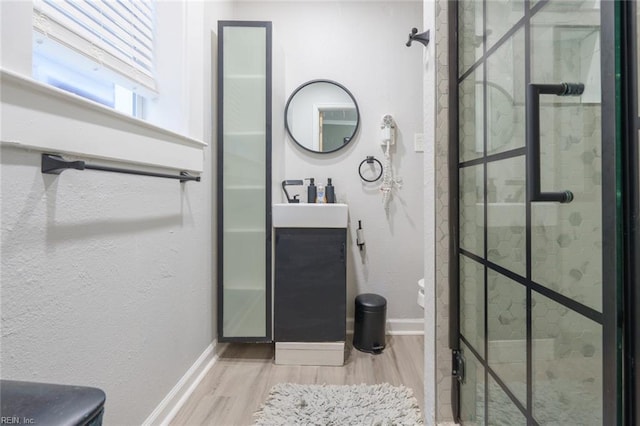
329 191
321 196
311 191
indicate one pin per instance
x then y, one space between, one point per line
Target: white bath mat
379 405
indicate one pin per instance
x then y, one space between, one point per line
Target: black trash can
370 320
51 404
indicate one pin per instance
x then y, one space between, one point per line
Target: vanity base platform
310 353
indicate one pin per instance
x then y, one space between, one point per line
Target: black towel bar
54 164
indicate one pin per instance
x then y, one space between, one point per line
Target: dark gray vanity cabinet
310 285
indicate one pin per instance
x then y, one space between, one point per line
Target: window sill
41 117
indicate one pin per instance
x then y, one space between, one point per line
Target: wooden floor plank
240 381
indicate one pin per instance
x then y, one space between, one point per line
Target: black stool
49 404
370 321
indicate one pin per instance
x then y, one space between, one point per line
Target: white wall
107 279
362 46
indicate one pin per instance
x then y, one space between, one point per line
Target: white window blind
118 34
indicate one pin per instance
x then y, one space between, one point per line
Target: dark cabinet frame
220 181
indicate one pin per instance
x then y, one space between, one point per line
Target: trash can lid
370 300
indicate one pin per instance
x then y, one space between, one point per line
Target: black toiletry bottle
330 192
311 191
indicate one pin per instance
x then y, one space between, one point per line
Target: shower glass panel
505 96
471 119
472 390
567 365
502 15
570 153
501 410
506 213
507 332
537 289
470 18
472 303
472 210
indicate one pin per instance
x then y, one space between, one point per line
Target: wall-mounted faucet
286 183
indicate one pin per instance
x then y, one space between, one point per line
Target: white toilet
421 292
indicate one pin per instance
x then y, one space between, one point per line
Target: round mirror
322 116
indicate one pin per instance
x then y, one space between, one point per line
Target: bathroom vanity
310 283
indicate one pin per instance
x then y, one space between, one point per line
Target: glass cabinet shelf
244 231
239 134
247 187
245 77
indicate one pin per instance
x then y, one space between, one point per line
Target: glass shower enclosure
537 278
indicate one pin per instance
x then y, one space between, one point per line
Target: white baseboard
178 395
400 326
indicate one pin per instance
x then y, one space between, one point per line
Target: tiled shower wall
443 356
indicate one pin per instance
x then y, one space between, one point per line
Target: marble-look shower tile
443 355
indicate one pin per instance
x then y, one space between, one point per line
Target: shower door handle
533 138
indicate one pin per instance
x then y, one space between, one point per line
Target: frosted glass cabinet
244 181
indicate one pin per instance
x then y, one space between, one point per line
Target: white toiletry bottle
320 194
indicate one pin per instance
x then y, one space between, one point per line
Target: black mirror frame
293 94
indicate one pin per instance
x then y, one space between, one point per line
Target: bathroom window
101 50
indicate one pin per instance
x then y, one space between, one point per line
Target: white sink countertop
310 215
